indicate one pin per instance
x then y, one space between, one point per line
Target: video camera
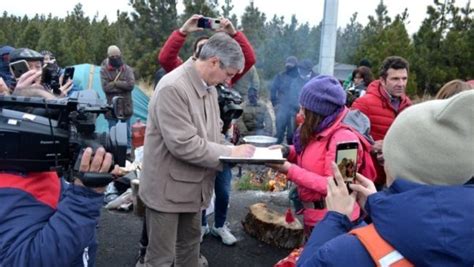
353 93
39 135
229 105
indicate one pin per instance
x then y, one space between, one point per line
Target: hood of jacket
429 225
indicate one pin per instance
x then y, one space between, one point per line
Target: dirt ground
119 234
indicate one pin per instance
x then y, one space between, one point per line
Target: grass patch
247 182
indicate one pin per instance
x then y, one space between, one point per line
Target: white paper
265 153
262 153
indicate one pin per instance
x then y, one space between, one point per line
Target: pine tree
348 39
153 21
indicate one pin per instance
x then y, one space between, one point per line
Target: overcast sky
305 10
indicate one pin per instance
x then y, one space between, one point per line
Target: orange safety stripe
382 253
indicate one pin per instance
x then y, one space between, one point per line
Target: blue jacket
46 222
428 225
285 91
7 75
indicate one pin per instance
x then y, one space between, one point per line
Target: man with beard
117 79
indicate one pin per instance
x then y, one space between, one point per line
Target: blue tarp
87 76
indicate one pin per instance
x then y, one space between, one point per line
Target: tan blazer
183 142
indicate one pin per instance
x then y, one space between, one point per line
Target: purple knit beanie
323 95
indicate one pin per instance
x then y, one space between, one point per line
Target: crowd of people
408 206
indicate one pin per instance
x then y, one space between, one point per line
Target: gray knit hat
433 142
113 50
323 95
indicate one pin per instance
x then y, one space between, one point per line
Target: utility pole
327 49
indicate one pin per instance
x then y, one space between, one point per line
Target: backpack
358 123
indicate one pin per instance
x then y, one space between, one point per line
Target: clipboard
262 155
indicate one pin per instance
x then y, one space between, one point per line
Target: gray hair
224 47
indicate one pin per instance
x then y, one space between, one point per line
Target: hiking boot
224 233
204 231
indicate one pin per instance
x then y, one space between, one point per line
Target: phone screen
204 23
68 74
19 67
209 23
346 160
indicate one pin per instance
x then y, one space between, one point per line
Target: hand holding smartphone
68 74
346 161
209 23
18 68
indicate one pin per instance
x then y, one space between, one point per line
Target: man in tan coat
182 148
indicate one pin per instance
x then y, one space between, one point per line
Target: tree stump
270 227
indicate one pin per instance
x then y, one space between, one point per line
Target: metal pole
327 50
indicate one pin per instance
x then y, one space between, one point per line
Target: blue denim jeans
285 122
113 122
222 190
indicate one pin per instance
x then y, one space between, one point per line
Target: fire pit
259 140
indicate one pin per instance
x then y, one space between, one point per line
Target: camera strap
118 75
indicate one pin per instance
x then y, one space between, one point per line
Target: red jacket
313 167
169 59
376 105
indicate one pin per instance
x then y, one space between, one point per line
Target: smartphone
346 160
68 74
19 67
209 23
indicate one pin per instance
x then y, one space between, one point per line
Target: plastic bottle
138 133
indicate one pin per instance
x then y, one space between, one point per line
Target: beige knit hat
113 50
433 142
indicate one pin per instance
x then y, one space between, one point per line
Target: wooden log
270 227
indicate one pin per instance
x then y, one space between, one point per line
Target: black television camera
229 105
50 77
50 135
353 93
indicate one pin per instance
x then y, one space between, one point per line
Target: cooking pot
259 140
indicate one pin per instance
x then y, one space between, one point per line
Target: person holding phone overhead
309 159
169 59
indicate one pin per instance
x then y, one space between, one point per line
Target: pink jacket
311 169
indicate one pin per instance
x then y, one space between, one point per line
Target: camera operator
55 74
31 82
45 221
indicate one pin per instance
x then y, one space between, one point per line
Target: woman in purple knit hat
322 105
